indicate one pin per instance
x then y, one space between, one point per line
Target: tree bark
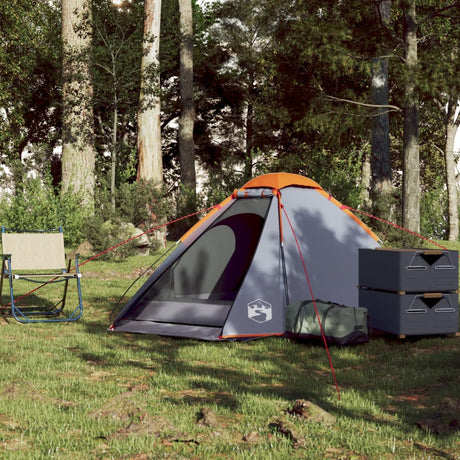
187 118
411 168
380 157
78 151
113 170
150 166
366 178
452 126
248 159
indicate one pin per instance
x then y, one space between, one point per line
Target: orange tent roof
278 181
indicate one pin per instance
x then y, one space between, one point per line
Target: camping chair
38 257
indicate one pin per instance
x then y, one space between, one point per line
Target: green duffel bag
341 325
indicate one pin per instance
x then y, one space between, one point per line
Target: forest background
109 108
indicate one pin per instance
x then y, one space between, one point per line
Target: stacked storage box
410 291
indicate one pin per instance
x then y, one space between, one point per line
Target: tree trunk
248 159
78 151
150 167
381 159
366 178
113 170
452 125
411 168
187 118
249 126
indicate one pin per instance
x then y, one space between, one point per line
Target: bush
35 206
139 203
103 234
433 210
186 202
220 183
142 204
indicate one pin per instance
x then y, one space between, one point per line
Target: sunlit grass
74 390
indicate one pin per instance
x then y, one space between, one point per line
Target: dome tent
234 272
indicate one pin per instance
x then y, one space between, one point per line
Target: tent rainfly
279 239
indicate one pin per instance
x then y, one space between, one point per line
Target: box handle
430 256
436 296
416 310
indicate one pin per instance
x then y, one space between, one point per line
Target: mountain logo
259 311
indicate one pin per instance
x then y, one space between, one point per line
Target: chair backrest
35 251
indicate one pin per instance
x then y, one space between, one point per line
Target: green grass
73 390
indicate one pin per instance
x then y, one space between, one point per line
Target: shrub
103 234
35 206
142 204
139 203
433 209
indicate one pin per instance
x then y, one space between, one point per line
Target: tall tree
411 138
439 45
78 152
187 117
117 52
319 65
29 85
243 33
452 128
381 159
150 166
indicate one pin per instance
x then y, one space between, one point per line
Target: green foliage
29 83
186 202
105 234
221 183
139 203
270 80
337 174
36 207
142 204
396 237
433 209
117 54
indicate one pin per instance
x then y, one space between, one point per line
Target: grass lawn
73 390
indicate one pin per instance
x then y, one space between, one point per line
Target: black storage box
411 314
408 270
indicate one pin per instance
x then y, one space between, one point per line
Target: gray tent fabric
232 275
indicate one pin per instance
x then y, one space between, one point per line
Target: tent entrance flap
213 267
200 286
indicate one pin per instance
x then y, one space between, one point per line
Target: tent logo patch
260 311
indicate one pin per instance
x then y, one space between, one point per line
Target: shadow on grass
386 382
35 306
218 380
413 380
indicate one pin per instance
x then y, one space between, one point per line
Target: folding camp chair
38 257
